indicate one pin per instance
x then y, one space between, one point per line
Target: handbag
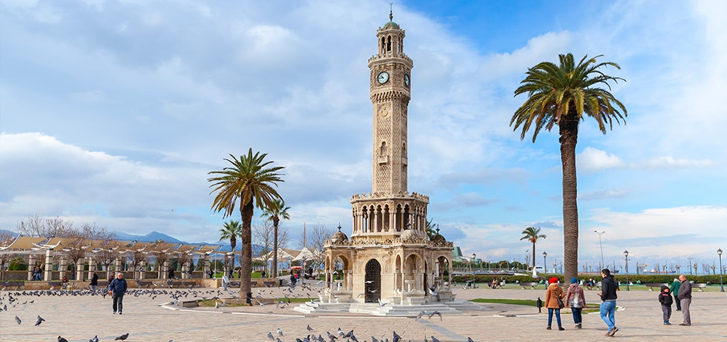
560 303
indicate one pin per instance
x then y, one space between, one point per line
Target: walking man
608 301
685 298
117 288
94 283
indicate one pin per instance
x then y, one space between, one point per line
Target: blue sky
113 112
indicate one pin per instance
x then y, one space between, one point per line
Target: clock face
406 80
383 77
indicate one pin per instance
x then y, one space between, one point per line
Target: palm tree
532 234
276 211
564 95
250 179
230 230
430 227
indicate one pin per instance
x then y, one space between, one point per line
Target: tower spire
391 11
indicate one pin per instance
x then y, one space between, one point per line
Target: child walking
666 300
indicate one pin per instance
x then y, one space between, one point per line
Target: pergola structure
110 253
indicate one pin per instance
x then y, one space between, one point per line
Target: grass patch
526 302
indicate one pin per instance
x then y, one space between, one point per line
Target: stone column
31 266
376 221
62 267
206 266
48 265
79 269
142 269
165 269
117 265
91 267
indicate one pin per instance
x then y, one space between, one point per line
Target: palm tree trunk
533 255
568 140
233 244
275 246
246 262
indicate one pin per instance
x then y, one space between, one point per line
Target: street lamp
626 255
545 268
689 265
721 284
601 244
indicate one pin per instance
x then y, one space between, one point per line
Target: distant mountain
5 231
151 237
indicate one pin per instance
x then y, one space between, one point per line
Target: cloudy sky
113 112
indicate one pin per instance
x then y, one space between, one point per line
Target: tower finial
391 11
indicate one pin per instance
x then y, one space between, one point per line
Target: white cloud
594 160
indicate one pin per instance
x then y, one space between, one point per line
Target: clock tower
389 255
390 82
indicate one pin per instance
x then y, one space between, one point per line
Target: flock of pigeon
175 295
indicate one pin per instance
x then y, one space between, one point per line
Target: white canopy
282 255
305 254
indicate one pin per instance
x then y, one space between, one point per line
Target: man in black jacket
608 301
117 288
685 298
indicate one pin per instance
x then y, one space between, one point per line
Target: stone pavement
79 318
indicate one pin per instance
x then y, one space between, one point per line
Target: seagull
61 339
122 337
40 320
382 303
360 294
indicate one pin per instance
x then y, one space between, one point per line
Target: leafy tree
276 211
250 180
532 234
230 230
564 95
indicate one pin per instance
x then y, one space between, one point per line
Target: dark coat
685 290
94 279
118 286
608 288
665 296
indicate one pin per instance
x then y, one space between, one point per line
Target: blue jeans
550 316
608 310
577 315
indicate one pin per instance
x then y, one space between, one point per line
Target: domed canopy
438 238
339 236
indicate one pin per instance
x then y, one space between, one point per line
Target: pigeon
280 332
309 328
40 320
122 337
434 339
270 336
396 338
339 332
331 336
61 339
94 339
436 313
469 339
382 303
17 319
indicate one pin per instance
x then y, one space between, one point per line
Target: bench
188 283
270 283
103 283
532 285
236 284
597 285
55 284
141 283
651 286
17 284
190 304
700 287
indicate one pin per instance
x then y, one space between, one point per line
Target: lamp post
545 268
689 265
600 243
721 284
626 256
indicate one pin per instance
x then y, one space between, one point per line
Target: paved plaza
79 318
